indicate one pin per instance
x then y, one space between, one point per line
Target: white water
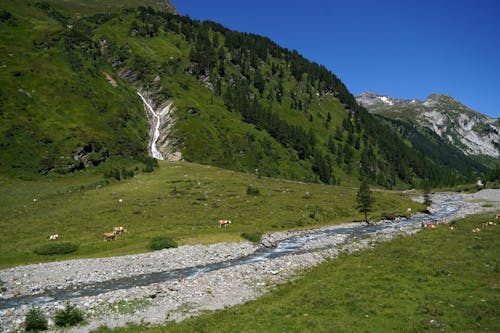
157 122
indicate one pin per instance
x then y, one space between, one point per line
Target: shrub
162 242
56 248
252 236
252 190
69 316
36 320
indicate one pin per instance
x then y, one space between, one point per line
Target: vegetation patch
36 320
56 248
70 315
162 242
252 190
252 236
130 306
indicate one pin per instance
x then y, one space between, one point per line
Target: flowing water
156 134
291 245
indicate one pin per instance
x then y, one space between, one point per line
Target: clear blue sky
405 48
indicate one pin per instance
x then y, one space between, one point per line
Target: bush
69 316
35 320
252 190
56 248
252 236
162 242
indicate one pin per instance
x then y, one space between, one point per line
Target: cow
119 230
476 230
224 223
430 226
497 216
54 237
109 236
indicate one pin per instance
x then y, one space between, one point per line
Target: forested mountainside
70 76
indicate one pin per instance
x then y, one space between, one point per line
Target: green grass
181 199
438 280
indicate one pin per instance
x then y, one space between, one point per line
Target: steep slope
468 130
236 100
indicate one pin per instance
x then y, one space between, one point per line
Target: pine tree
364 199
427 194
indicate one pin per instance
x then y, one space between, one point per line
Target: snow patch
386 100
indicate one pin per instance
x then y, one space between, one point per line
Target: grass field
181 200
435 281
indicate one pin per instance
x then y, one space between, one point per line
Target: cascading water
157 122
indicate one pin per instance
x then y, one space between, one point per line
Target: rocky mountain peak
470 131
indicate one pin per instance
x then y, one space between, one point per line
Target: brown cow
109 236
224 223
497 216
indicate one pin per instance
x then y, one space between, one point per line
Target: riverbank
187 296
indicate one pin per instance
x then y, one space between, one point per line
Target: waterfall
157 122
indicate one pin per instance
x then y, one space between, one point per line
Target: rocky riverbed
182 297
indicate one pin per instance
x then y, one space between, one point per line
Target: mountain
470 131
86 86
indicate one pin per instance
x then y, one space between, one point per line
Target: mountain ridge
472 132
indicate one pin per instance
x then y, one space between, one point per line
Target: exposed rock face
161 120
470 131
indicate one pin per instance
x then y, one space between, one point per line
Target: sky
404 49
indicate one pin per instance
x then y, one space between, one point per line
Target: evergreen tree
427 195
364 199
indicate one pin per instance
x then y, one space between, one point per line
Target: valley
204 277
166 174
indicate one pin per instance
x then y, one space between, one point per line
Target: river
287 246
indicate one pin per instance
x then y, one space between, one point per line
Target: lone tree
427 194
364 199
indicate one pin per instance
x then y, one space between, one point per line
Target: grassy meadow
181 200
435 281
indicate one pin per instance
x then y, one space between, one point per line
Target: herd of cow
120 230
476 229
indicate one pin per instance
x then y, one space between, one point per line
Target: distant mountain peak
470 131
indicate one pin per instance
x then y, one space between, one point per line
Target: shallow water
291 245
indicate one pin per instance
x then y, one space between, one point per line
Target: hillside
442 117
71 78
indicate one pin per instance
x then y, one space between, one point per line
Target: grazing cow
224 223
54 237
451 227
444 222
109 236
476 230
119 230
430 225
488 224
497 216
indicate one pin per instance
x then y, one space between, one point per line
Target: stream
287 246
